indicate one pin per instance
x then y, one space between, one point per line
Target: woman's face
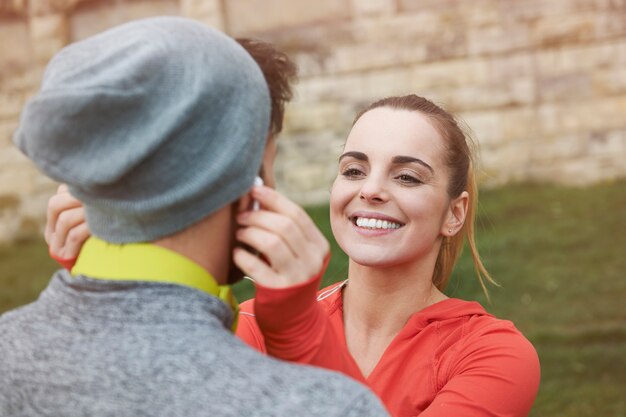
389 204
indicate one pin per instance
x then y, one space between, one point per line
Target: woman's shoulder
468 326
475 349
485 336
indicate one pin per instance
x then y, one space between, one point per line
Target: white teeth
376 223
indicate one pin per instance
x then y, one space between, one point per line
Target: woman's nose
373 191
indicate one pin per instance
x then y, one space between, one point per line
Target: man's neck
207 243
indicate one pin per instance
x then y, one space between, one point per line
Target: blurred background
540 83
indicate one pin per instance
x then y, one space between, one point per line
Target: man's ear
457 213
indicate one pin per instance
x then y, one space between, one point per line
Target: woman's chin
375 260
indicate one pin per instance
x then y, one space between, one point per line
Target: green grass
558 254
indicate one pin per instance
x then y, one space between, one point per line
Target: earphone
258 181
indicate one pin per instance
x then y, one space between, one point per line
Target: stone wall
540 83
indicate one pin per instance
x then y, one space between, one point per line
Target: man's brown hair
279 72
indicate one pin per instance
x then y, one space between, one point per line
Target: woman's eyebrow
409 159
356 155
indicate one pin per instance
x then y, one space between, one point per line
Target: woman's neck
387 297
378 302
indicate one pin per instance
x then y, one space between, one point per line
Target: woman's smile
374 224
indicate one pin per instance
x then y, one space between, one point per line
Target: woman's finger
57 204
274 201
256 268
66 221
75 240
262 273
273 247
280 225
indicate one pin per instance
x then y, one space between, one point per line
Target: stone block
16 181
478 14
499 39
589 115
45 49
382 83
519 123
485 125
314 117
45 7
35 206
329 88
254 16
6 133
529 11
410 5
93 18
373 55
574 172
451 44
566 87
516 92
9 226
25 81
11 103
49 34
416 26
609 82
14 8
373 7
494 129
558 30
209 12
306 165
359 57
453 73
16 53
359 88
577 59
611 24
610 143
559 148
503 68
49 26
505 163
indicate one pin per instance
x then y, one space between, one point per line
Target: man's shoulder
292 387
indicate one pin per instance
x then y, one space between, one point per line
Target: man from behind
159 128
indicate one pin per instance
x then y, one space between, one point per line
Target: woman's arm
297 328
285 320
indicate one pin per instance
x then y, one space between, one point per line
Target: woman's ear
457 211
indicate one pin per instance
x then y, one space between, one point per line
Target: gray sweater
103 348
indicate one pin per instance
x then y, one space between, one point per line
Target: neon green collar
148 262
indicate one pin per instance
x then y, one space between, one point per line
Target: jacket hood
448 309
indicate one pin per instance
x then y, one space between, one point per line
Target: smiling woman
402 207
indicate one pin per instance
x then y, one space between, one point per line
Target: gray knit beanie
153 124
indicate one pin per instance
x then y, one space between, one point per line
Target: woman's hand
292 247
66 228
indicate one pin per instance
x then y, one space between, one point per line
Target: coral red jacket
452 359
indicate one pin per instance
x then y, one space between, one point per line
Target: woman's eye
408 179
352 173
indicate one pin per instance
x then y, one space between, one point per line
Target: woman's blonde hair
460 161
